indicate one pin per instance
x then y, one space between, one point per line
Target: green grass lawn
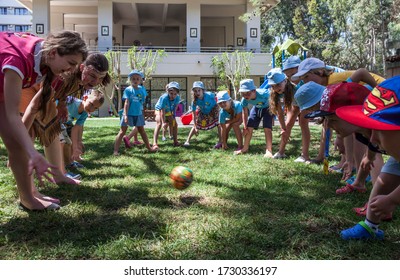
238 207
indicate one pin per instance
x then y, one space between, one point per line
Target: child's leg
191 133
134 134
174 129
268 139
118 139
247 139
143 134
157 128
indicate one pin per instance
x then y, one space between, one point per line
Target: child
26 60
78 110
229 117
165 113
313 69
134 96
380 113
45 123
282 100
333 97
207 113
259 98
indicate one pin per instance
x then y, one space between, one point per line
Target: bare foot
240 152
40 196
66 180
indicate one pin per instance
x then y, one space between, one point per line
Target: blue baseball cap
223 96
308 95
307 65
198 84
135 72
381 109
246 85
275 76
174 85
291 62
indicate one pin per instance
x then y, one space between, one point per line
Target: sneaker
268 154
73 176
279 155
300 159
186 144
127 142
218 145
75 165
164 139
361 232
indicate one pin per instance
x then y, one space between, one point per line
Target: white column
105 25
57 22
253 30
193 14
41 17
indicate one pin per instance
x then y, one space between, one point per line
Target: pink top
21 53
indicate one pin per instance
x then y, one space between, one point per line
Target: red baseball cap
381 109
339 95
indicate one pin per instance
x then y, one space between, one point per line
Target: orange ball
181 177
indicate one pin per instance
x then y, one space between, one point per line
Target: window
3 11
21 11
3 27
22 28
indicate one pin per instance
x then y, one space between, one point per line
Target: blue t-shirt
136 99
261 101
165 103
73 114
224 115
206 104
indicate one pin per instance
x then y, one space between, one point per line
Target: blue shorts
133 121
392 166
256 115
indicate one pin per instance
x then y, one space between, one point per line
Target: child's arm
32 109
16 129
362 75
224 136
245 115
76 138
383 205
236 118
125 113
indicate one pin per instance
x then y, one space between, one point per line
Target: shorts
133 121
255 116
392 166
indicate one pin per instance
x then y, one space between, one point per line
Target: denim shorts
256 115
392 166
133 121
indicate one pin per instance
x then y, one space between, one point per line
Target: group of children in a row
59 66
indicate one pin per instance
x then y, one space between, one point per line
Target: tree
114 70
145 60
231 68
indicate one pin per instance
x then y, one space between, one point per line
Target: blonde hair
66 43
96 94
288 96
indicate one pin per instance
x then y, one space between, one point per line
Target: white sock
373 226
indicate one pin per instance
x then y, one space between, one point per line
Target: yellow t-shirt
335 78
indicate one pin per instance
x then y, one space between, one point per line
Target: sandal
362 211
350 188
361 231
155 147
